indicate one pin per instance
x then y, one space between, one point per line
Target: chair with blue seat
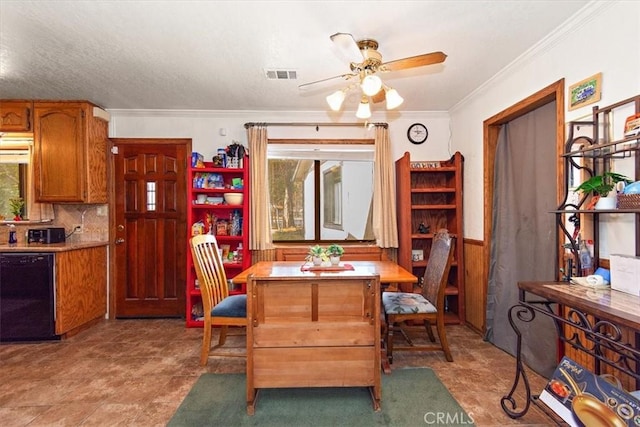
220 308
426 307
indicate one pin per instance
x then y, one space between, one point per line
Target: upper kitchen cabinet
16 116
70 152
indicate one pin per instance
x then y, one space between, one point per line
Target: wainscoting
475 286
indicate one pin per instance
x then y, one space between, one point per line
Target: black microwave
46 235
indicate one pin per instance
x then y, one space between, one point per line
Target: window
13 179
320 191
333 198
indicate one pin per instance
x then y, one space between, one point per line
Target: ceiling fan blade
346 47
414 61
341 76
381 96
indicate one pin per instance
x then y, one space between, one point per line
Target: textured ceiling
212 55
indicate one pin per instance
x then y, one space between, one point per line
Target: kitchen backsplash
96 227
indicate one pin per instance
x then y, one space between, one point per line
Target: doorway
492 133
148 220
492 126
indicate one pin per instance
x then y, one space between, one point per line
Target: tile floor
136 373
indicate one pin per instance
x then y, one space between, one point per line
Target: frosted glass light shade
335 100
371 85
364 111
393 99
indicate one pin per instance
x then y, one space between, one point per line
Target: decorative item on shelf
423 229
197 160
335 251
222 228
417 255
236 223
629 198
17 205
235 153
317 254
218 161
211 219
197 228
632 126
233 198
601 186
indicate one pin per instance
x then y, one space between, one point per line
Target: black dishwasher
27 299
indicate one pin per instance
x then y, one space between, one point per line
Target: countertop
54 247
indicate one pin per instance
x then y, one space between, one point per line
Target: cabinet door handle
119 241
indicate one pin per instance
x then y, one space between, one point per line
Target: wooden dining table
390 273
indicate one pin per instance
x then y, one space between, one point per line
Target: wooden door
150 226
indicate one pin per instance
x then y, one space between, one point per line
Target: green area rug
410 397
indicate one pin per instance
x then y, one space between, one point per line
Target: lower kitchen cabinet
81 287
51 291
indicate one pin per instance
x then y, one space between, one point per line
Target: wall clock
417 133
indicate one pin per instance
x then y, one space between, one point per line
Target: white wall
203 127
603 37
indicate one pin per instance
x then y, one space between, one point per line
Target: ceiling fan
365 62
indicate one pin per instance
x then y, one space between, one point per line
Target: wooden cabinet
322 330
429 197
16 116
70 152
81 287
217 217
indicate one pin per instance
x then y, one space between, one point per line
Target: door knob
119 241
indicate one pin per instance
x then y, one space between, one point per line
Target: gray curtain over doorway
523 236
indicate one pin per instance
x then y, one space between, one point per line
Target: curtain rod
317 125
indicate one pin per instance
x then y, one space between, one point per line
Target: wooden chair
427 307
220 308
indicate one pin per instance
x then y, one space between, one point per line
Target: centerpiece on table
317 255
335 251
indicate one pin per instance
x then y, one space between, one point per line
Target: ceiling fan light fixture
335 100
364 110
393 98
371 85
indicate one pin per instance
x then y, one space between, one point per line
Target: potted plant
335 251
601 186
17 205
317 255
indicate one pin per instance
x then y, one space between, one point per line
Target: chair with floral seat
426 307
220 308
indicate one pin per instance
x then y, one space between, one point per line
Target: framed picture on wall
585 92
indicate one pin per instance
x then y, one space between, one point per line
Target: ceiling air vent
281 74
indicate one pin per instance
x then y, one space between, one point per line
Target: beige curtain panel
384 191
259 212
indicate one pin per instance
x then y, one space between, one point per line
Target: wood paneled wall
298 252
475 286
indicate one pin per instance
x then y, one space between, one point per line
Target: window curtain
36 211
385 227
259 212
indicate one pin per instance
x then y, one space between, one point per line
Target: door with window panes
151 231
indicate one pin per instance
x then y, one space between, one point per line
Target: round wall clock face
417 133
